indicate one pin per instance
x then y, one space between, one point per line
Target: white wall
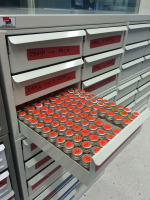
144 7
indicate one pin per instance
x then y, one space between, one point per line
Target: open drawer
127 99
146 63
131 68
101 63
144 78
134 51
127 87
103 39
100 83
30 85
143 89
5 185
137 33
99 161
147 50
143 98
28 52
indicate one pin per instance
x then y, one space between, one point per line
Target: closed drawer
36 164
101 63
46 177
5 185
101 83
127 99
137 33
29 149
142 99
142 90
111 96
55 187
143 107
127 87
146 63
3 160
134 51
9 196
131 68
144 78
147 50
28 52
131 105
71 195
30 85
103 39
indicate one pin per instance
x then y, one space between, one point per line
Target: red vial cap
48 119
99 122
42 115
102 142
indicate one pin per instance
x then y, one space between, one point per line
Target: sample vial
54 125
95 107
93 113
131 117
116 131
30 110
77 111
81 91
99 99
69 124
85 134
35 113
107 107
52 137
76 94
64 105
38 127
56 116
86 110
92 129
57 109
109 137
105 101
70 116
49 113
47 121
79 106
77 120
94 150
64 112
92 96
124 114
62 120
94 101
27 119
125 122
112 104
58 102
69 134
60 141
52 99
109 116
99 123
94 139
76 129
46 103
102 143
45 132
41 117
21 115
88 99
68 147
83 102
82 96
91 120
77 99
73 103
135 113
101 133
76 89
128 110
85 161
107 128
38 106
115 110
77 154
100 104
61 130
102 112
32 123
67 101
65 94
83 115
43 109
86 146
86 94
84 124
52 106
120 107
77 140
62 98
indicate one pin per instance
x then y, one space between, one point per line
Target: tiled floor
128 176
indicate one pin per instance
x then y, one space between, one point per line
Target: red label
51 52
77 151
98 122
100 84
85 132
85 122
33 146
77 138
93 137
11 197
96 149
110 136
42 162
53 134
104 41
69 132
45 177
101 132
116 130
69 144
3 182
76 127
86 144
103 65
136 113
61 128
5 19
102 142
86 158
42 85
107 126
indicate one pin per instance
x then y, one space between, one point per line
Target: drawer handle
147 57
129 83
106 30
126 97
133 46
146 74
142 97
1 194
139 26
125 66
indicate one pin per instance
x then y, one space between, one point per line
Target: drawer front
103 39
55 187
30 85
47 176
144 78
140 103
5 185
28 52
29 149
142 90
127 87
147 50
137 35
128 101
131 68
9 196
111 96
143 107
132 54
101 63
146 63
101 83
3 160
36 164
142 99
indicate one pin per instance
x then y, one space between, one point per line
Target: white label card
7 22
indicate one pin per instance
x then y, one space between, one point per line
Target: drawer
146 63
142 90
142 99
144 78
65 190
55 187
147 50
127 87
5 185
71 195
28 52
134 51
131 105
111 96
103 39
131 68
46 177
30 85
9 196
100 63
3 160
36 164
29 149
127 99
137 33
101 83
142 108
